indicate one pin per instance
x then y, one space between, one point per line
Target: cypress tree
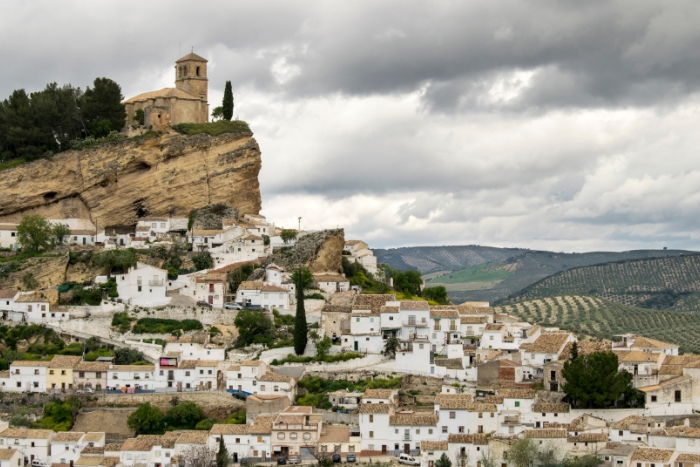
302 279
222 455
227 104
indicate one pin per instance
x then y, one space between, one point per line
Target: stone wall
215 404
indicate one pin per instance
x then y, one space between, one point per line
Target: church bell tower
191 76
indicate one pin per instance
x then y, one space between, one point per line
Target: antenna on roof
192 49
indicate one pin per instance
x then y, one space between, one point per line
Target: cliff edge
118 183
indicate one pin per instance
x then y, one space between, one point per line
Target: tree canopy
146 420
34 232
251 324
184 416
45 122
594 381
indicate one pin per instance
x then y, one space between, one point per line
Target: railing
155 282
415 323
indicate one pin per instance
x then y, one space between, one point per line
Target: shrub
165 326
217 128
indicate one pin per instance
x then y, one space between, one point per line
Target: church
187 102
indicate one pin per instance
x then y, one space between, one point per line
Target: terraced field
603 318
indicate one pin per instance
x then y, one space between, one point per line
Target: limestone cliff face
116 184
320 251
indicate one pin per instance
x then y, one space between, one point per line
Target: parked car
294 460
336 458
204 304
281 460
233 306
253 307
351 458
38 463
87 390
408 460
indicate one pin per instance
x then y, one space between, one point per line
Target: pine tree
574 351
302 279
222 455
227 104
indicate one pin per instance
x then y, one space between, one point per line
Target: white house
66 447
11 458
82 237
28 376
132 376
7 299
236 440
260 437
33 444
8 236
266 296
143 285
274 384
466 450
452 410
200 374
359 252
193 348
332 283
244 377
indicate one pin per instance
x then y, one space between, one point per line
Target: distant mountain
510 270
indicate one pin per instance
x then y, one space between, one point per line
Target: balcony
155 282
511 420
415 324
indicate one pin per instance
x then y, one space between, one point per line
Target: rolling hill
480 273
659 283
601 318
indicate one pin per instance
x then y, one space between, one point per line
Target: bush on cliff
165 326
217 128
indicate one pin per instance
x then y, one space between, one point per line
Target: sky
559 125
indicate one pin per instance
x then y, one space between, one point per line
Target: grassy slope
482 273
602 318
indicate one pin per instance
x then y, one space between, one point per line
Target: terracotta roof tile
372 302
433 445
273 377
64 361
417 419
375 408
546 433
67 436
551 408
645 454
261 425
549 343
517 393
588 438
453 401
229 429
378 393
463 438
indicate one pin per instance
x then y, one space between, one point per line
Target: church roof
192 56
163 93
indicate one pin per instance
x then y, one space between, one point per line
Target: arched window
197 71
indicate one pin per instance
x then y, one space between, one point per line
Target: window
67 448
481 415
36 372
262 387
517 403
371 434
417 431
201 372
50 372
63 372
187 373
81 374
280 435
307 436
619 433
453 415
444 429
677 395
371 418
430 431
460 429
292 436
276 388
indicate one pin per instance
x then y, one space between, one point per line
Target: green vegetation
117 261
45 122
146 420
165 326
216 128
443 461
593 381
359 276
314 296
222 453
481 273
254 327
603 318
288 235
184 416
82 296
302 279
58 415
436 294
122 321
341 357
391 344
34 232
317 388
203 260
128 356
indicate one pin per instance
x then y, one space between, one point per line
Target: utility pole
299 224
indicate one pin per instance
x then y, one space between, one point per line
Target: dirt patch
110 421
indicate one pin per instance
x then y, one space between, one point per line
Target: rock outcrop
319 251
116 184
47 271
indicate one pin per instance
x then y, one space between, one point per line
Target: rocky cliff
116 184
320 251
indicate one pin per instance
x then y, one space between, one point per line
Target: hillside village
202 306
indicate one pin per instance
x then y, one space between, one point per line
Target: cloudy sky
560 125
